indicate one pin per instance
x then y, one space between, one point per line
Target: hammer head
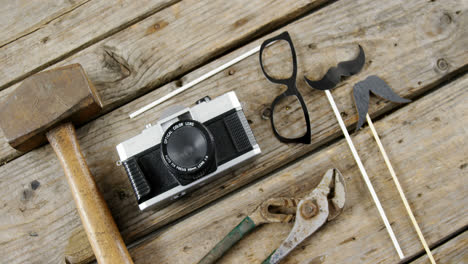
45 100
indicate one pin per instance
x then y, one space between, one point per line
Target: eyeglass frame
291 90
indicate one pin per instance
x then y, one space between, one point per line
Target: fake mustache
377 86
343 69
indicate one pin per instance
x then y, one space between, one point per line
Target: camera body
187 148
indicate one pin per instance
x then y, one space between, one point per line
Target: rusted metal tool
44 107
324 203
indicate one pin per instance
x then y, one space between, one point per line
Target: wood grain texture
58 34
42 216
160 48
110 67
414 136
451 252
78 249
20 18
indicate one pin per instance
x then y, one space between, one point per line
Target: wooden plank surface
22 17
451 252
63 33
165 46
414 136
44 215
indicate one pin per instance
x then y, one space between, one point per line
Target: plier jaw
337 195
324 203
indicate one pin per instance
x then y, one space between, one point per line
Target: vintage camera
187 148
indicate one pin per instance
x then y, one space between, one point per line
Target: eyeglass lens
289 120
277 60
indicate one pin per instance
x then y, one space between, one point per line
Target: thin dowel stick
400 190
196 81
364 174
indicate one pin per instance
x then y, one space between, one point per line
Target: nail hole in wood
266 113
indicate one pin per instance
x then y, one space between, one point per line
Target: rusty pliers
324 203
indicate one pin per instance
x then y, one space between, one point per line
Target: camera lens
187 149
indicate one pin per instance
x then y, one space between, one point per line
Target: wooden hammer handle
97 220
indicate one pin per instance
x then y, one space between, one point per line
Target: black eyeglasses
290 95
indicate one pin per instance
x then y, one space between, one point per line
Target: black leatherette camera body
233 139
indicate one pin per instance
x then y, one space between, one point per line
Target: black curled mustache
343 69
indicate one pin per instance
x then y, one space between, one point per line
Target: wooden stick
400 190
364 174
195 82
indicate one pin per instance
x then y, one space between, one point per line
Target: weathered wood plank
49 211
422 142
190 239
161 47
73 27
453 251
22 17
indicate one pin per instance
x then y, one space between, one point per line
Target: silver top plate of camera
151 136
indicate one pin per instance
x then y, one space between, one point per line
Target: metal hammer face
45 100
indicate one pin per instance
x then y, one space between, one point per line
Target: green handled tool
324 203
260 216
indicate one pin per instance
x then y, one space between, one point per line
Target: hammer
45 106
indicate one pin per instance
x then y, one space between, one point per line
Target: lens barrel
188 150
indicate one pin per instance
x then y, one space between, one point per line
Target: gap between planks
213 213
146 242
112 119
451 251
42 23
85 45
175 73
458 76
